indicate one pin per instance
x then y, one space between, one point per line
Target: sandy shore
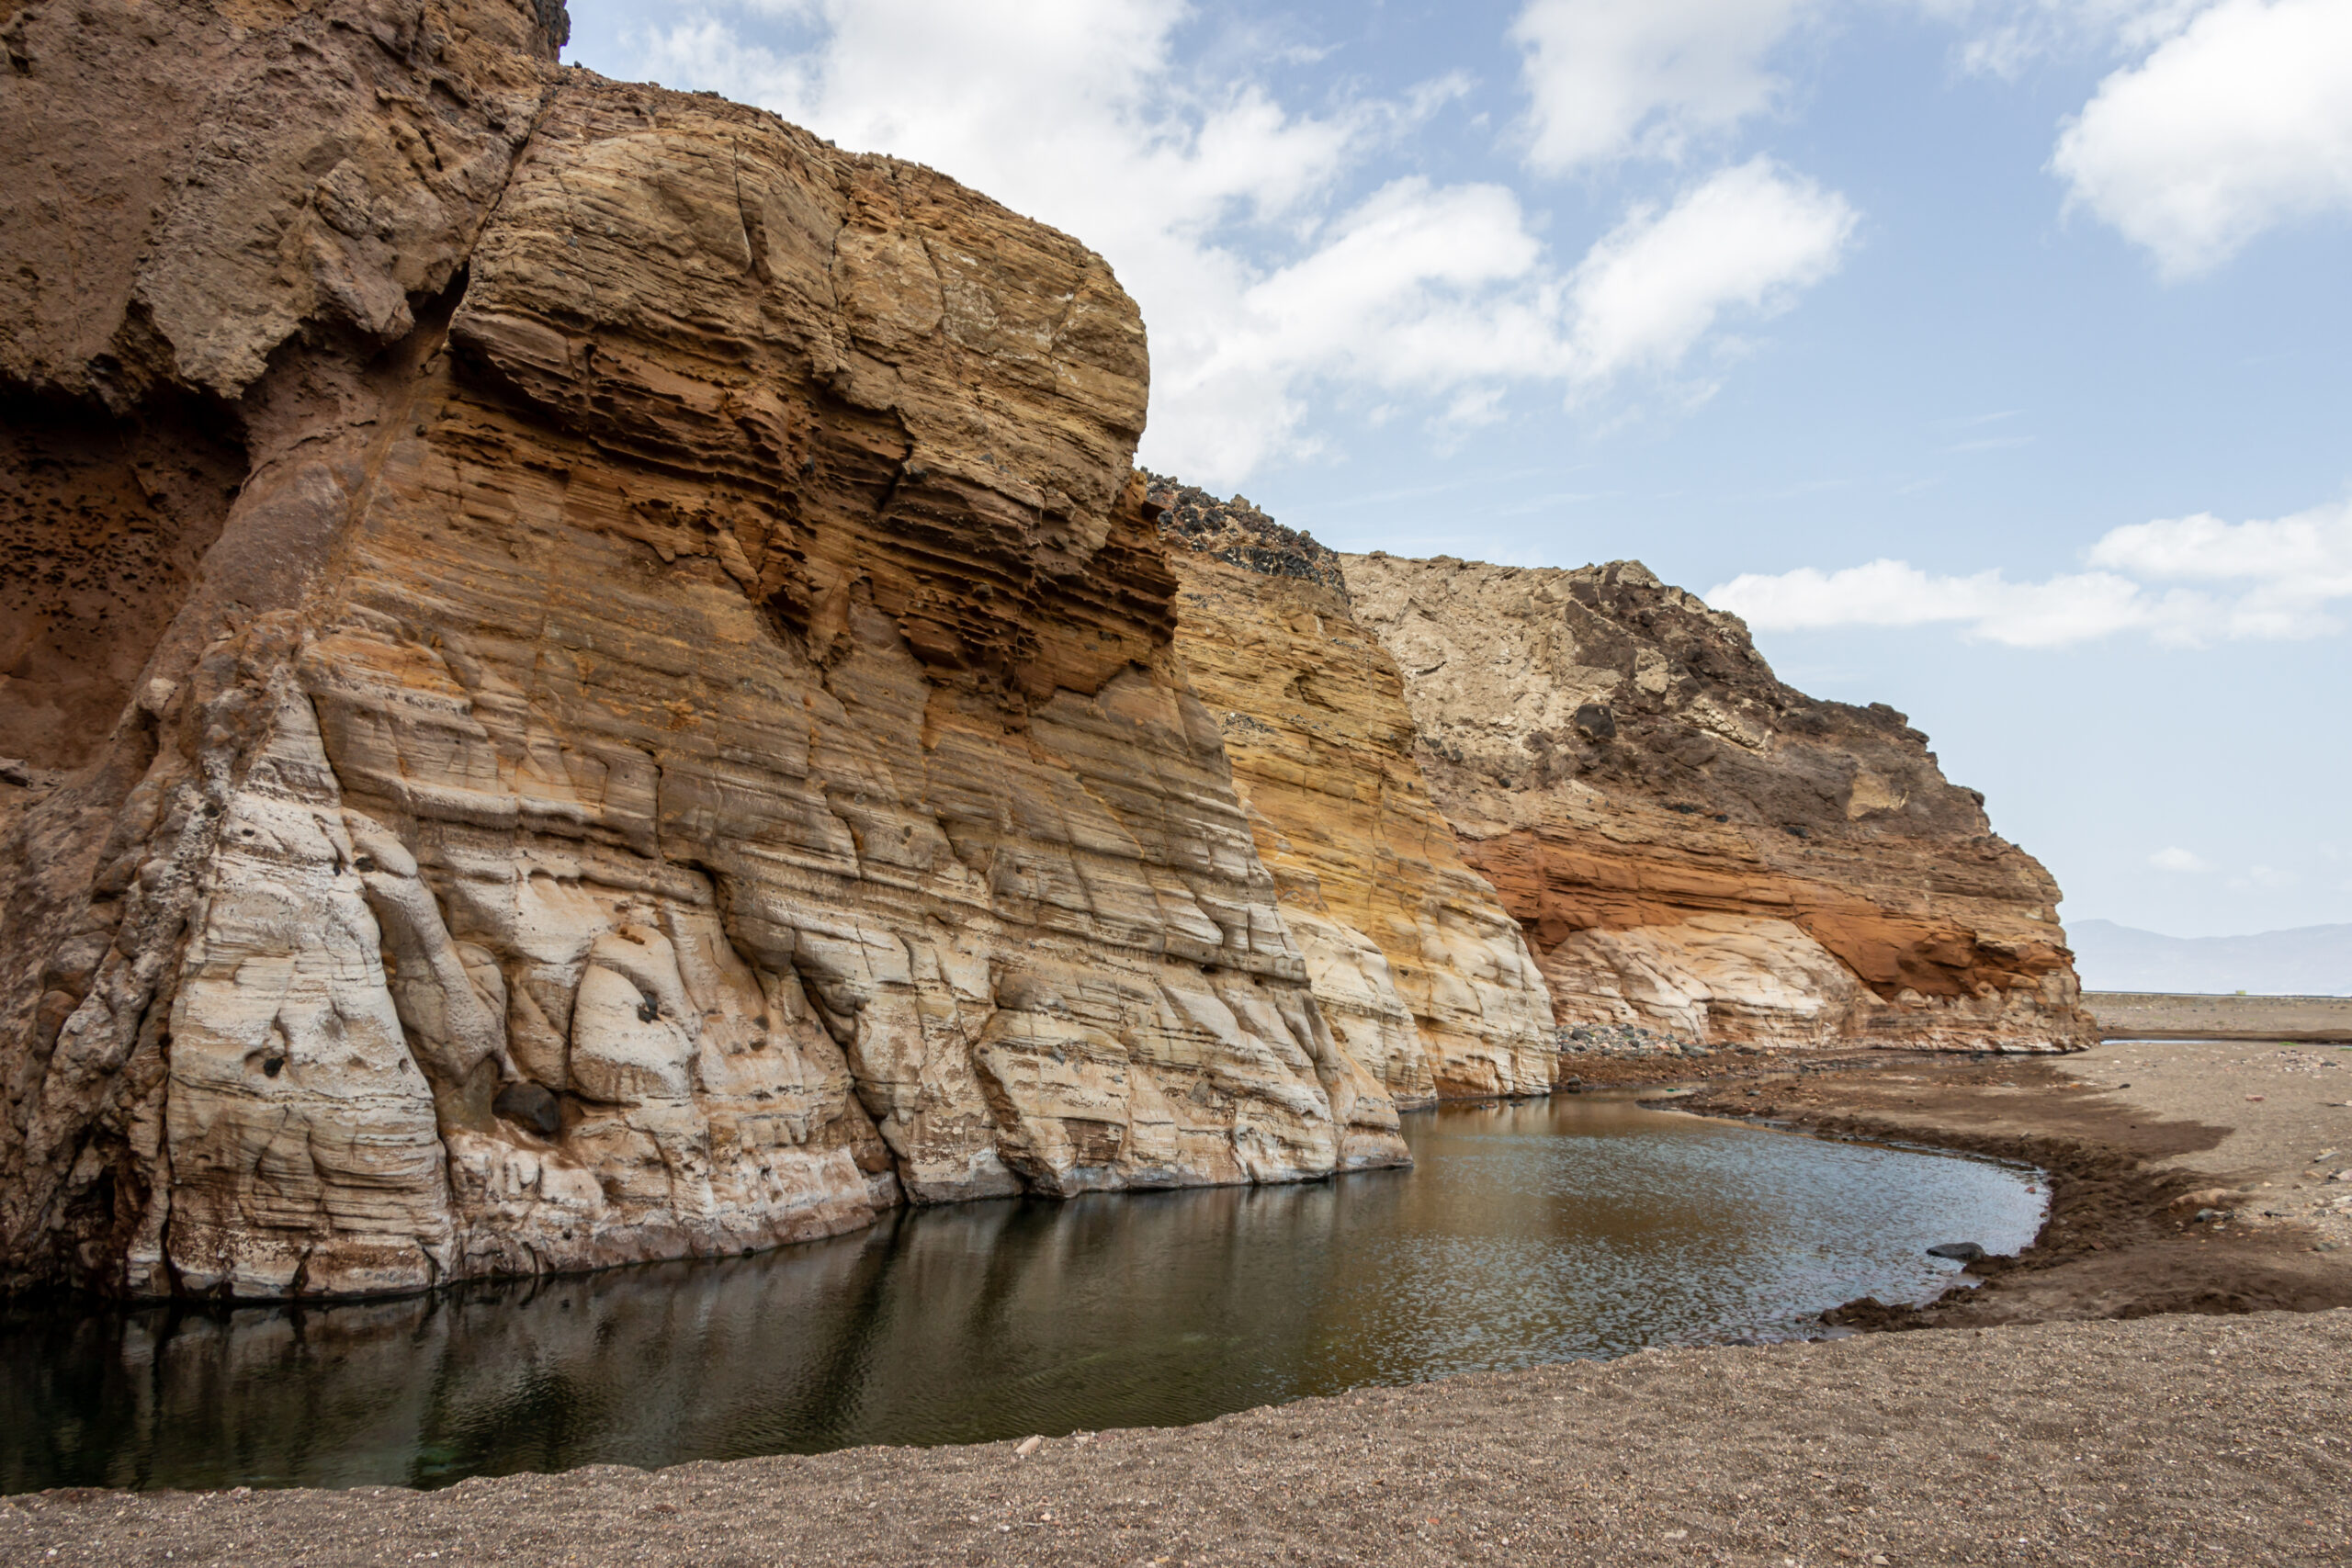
1988 1438
2161 1015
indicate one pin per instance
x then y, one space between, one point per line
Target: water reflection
1526 1233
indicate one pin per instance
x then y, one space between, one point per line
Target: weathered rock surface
1426 979
646 723
585 677
1693 847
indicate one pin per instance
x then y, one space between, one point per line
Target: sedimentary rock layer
650 726
1694 847
1428 982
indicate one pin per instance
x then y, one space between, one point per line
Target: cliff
1422 974
594 681
586 677
1696 849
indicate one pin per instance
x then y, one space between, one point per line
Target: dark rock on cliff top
1236 532
1692 847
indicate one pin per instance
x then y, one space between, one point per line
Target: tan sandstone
1421 971
587 678
674 742
1697 849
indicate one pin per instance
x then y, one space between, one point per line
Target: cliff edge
1695 848
593 679
586 677
1413 959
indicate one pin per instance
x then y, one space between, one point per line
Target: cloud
2294 567
1613 79
2177 859
2230 581
2239 122
2004 37
1276 273
1895 593
1750 237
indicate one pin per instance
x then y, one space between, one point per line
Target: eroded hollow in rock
103 523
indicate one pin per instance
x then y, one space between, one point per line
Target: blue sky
1989 355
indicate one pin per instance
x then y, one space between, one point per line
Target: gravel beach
2162 1440
2141 1140
2191 1425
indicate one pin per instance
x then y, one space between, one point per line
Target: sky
1989 356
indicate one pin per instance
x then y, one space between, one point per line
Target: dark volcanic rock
1236 532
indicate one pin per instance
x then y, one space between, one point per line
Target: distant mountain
2309 960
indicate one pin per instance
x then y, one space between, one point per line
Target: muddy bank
2140 1140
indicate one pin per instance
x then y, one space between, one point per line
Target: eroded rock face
674 742
1696 849
1429 983
587 679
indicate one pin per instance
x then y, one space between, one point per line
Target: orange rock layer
1695 848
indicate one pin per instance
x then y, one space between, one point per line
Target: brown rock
655 730
1427 980
1696 849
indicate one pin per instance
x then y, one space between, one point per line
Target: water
1527 1233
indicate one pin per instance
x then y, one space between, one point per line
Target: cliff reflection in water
1529 1233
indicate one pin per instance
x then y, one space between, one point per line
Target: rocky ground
2191 1426
2165 1441
2186 1176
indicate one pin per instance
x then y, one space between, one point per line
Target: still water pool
1527 1233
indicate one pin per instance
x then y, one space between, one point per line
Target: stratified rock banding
670 741
1415 962
586 677
1698 850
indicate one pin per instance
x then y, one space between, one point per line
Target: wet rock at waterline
1102 1313
670 742
613 693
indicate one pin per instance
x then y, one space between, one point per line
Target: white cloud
2294 567
2315 545
2177 859
1223 212
2004 37
2258 580
1750 237
1610 79
1895 593
2239 122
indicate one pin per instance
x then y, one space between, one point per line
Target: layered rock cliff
595 680
586 677
1695 849
1416 966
